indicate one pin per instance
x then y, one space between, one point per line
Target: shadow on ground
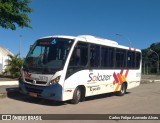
13 93
101 96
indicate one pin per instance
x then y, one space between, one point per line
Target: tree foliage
14 65
150 58
14 12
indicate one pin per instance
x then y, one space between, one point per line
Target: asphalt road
144 99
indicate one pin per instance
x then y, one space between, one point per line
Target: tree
14 12
150 58
14 65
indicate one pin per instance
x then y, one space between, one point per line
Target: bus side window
104 57
79 59
80 55
94 56
138 59
131 59
110 57
107 57
120 61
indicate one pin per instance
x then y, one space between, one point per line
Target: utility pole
125 38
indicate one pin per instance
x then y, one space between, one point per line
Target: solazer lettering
98 77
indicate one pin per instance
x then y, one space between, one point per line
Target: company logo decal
119 78
94 88
34 82
98 77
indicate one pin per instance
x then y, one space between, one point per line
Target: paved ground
144 99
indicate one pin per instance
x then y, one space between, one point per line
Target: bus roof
87 38
92 39
97 39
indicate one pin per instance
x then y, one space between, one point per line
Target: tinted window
107 57
104 57
138 59
94 56
80 55
120 58
131 59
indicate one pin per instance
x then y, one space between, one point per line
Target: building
4 58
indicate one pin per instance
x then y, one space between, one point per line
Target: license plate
32 94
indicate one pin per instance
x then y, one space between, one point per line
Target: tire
77 96
122 90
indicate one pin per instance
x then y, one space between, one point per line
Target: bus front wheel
122 90
76 96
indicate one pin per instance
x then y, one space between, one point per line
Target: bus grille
37 82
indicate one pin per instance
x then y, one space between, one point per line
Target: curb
8 83
149 81
156 80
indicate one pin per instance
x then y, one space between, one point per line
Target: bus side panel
134 78
100 81
95 82
92 82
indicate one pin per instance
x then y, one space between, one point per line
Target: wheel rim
123 89
78 94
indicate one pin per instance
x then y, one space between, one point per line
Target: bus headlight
55 81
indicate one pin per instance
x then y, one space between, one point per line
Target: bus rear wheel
77 96
122 90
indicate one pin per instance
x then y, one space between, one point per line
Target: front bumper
51 92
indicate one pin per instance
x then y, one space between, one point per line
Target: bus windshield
48 55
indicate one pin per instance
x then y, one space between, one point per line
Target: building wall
3 63
4 58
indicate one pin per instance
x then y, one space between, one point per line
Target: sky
138 22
